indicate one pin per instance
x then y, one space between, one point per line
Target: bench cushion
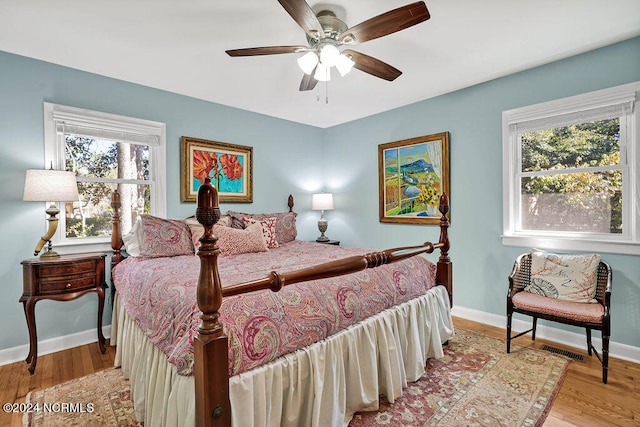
576 311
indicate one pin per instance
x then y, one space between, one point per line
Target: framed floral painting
412 175
228 165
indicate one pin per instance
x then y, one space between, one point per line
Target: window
107 152
570 178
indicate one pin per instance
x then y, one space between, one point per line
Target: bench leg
605 357
509 316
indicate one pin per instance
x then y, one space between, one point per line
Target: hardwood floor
582 401
52 369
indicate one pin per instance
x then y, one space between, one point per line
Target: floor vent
574 356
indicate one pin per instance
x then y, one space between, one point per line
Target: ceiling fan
326 34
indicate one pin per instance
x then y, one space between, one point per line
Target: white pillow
565 277
134 238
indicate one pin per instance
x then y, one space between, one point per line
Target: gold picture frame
412 175
229 166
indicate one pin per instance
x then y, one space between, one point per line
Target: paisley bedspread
160 295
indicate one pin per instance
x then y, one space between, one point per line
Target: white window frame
110 126
625 98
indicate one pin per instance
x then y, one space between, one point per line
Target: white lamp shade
322 202
329 55
323 73
50 186
344 64
308 62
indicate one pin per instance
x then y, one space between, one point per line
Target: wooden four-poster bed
377 353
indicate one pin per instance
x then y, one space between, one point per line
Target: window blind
577 117
116 129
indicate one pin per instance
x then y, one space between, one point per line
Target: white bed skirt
321 385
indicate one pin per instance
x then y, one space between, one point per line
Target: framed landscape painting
412 175
229 167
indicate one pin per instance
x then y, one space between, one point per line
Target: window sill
572 244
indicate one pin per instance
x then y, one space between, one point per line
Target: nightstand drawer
65 269
64 286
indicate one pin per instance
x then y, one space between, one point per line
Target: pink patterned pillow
164 237
285 223
233 241
268 230
197 229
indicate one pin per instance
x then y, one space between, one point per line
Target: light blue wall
473 118
282 164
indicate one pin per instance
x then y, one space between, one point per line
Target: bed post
211 363
444 274
116 230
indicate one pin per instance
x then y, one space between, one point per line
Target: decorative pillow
268 229
225 221
164 237
285 223
565 277
133 239
237 222
233 241
197 230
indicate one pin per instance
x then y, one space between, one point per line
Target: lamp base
49 252
46 239
322 226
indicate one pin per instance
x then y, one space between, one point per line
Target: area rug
100 399
475 384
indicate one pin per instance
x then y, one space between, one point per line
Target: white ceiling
179 46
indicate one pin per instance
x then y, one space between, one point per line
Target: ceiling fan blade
308 82
301 12
387 23
373 66
268 50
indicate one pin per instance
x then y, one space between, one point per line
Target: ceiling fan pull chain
326 92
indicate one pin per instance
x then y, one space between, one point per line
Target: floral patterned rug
100 399
476 384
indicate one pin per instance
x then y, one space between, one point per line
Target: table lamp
49 186
322 202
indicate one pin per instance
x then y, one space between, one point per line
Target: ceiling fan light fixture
327 34
329 55
323 73
344 64
308 62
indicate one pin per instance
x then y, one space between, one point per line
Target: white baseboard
19 353
572 339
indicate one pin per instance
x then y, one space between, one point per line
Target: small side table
330 242
62 278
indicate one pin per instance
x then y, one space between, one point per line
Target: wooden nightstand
62 278
330 242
